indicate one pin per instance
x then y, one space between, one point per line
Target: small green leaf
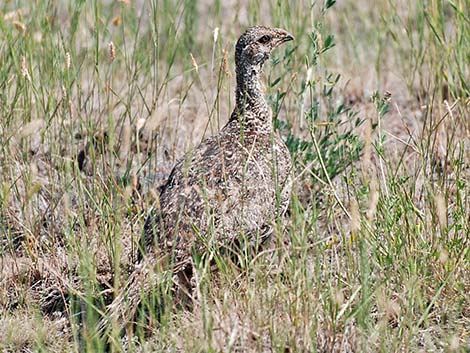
329 3
275 82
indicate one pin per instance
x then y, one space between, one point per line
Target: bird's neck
251 108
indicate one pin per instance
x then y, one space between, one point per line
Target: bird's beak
287 37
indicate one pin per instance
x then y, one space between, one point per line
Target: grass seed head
441 210
156 198
64 92
111 51
67 60
117 21
21 27
225 66
355 218
373 199
66 204
367 164
24 69
194 63
309 75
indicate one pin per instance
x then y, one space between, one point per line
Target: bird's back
232 185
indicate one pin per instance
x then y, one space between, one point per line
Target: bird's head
256 44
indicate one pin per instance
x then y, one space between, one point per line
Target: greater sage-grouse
227 191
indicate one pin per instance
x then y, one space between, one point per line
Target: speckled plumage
233 185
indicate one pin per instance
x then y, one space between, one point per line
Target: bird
226 192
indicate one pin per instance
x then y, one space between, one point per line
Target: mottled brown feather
233 185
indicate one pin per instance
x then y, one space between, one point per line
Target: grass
374 254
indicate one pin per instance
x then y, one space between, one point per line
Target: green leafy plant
328 143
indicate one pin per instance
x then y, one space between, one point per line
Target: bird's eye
264 39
